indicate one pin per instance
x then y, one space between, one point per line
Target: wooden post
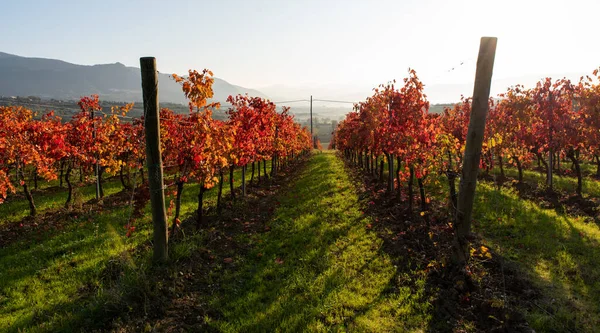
468 181
551 151
96 170
390 157
153 157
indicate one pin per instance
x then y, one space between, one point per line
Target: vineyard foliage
555 117
195 147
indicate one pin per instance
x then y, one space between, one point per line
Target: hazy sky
356 43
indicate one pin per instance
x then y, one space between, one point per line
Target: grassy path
320 268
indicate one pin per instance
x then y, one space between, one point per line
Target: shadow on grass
568 184
84 273
542 264
318 268
271 289
419 244
41 278
17 208
560 254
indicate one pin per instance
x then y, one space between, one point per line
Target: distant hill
57 79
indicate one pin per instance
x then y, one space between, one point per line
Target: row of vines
554 121
195 147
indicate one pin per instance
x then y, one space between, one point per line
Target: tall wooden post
468 181
551 151
153 157
96 168
390 158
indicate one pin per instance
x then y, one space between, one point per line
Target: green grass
590 186
333 276
318 269
587 168
560 254
42 277
55 279
16 209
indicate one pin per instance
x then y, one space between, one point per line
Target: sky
347 44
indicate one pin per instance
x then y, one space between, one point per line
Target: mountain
50 78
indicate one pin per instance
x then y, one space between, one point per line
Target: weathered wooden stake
551 152
154 158
468 181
